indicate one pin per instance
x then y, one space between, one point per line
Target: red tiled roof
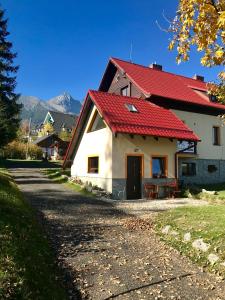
164 84
149 120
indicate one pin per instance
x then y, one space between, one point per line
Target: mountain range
36 109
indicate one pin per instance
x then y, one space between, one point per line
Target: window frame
165 157
188 168
123 89
216 137
131 108
95 115
89 165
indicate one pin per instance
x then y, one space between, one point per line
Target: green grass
56 176
219 188
207 222
27 268
196 192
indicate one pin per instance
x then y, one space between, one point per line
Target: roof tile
165 84
149 120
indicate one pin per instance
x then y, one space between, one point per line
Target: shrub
18 150
34 152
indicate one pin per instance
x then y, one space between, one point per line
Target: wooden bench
151 191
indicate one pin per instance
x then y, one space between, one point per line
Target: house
147 125
52 146
59 121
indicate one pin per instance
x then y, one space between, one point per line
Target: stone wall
203 175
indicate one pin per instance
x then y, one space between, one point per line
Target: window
159 167
93 164
212 98
188 169
131 107
216 135
97 123
125 91
212 168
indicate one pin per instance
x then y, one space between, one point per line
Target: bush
18 150
34 152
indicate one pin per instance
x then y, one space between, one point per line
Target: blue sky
65 45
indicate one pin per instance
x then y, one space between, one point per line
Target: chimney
155 66
198 77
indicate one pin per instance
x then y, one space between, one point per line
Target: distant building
52 146
59 121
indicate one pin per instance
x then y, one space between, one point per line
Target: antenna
131 51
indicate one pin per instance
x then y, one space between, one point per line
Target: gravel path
142 208
108 254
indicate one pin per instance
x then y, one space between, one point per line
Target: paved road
103 256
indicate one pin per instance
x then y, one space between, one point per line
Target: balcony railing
187 147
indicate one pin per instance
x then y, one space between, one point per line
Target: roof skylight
131 107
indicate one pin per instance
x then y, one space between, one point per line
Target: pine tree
9 108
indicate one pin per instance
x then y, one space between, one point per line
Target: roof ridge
62 113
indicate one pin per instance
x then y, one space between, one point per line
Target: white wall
124 144
202 125
97 143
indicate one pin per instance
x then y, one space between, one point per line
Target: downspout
176 165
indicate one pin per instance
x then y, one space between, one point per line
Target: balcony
187 147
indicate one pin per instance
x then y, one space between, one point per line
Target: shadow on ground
31 164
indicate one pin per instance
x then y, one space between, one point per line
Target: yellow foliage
47 129
201 23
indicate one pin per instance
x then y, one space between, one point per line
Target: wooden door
134 171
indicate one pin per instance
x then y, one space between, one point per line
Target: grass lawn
196 192
219 188
27 269
56 176
206 222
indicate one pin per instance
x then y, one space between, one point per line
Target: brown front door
134 165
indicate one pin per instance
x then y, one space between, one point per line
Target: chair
151 191
173 190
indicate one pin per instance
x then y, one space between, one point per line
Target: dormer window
125 91
131 108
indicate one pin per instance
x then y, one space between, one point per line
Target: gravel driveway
108 254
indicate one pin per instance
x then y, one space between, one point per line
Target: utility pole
28 138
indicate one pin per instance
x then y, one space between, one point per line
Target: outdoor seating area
168 189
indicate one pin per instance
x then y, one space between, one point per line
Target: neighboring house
52 146
147 125
59 121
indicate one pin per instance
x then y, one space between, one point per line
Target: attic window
131 108
125 91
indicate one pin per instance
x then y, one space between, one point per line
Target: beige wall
202 125
97 143
124 144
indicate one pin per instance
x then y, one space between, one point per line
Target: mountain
65 104
36 109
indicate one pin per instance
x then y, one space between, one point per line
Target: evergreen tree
9 109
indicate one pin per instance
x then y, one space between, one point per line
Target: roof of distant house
62 120
153 82
47 139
